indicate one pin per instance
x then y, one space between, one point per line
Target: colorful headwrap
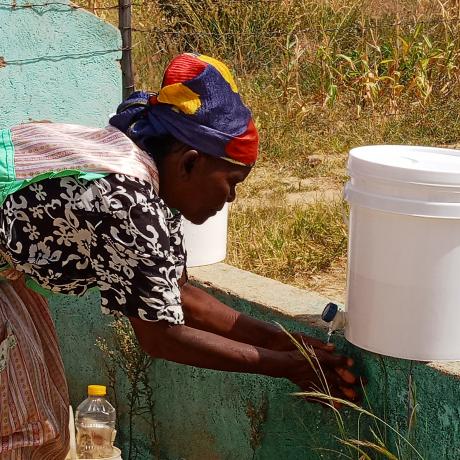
199 105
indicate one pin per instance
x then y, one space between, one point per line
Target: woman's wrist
278 340
281 364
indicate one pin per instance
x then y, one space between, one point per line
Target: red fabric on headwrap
244 148
182 68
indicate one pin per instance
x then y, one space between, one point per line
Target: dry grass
290 243
320 77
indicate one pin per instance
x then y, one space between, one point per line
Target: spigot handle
329 312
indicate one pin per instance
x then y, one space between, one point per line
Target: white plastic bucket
207 243
403 296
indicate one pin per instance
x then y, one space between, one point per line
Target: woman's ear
187 162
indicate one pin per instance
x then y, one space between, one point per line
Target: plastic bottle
95 423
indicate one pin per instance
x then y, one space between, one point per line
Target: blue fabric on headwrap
133 119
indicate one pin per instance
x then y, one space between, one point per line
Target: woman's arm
205 312
187 345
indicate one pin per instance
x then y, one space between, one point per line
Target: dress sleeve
136 256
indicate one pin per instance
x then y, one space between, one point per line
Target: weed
365 449
125 355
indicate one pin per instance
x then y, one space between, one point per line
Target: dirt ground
280 187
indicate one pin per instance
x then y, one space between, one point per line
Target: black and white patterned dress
114 233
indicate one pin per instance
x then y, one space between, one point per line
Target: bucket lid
406 163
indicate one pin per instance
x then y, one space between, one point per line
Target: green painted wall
68 70
203 415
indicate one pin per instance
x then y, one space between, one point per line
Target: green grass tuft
286 243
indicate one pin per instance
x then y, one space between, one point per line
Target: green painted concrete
68 70
202 414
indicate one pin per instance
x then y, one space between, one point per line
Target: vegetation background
320 77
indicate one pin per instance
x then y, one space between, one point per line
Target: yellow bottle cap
97 390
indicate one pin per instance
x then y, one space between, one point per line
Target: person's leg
34 401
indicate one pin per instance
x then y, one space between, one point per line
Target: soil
267 184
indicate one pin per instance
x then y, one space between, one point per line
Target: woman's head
197 184
198 116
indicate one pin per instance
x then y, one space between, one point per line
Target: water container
95 424
207 243
403 296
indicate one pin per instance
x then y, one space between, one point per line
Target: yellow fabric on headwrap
180 96
222 68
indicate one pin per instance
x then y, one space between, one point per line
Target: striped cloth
37 151
34 403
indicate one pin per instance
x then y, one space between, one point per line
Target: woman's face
200 185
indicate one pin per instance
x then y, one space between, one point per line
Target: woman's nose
231 196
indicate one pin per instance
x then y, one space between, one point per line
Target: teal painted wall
68 70
203 415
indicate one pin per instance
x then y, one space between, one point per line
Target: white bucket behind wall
207 243
403 297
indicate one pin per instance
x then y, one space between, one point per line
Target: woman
85 207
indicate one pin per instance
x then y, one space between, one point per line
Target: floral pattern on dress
114 233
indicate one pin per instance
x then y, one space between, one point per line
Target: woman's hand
330 374
325 372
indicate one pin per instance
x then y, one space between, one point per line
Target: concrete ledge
451 368
281 298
